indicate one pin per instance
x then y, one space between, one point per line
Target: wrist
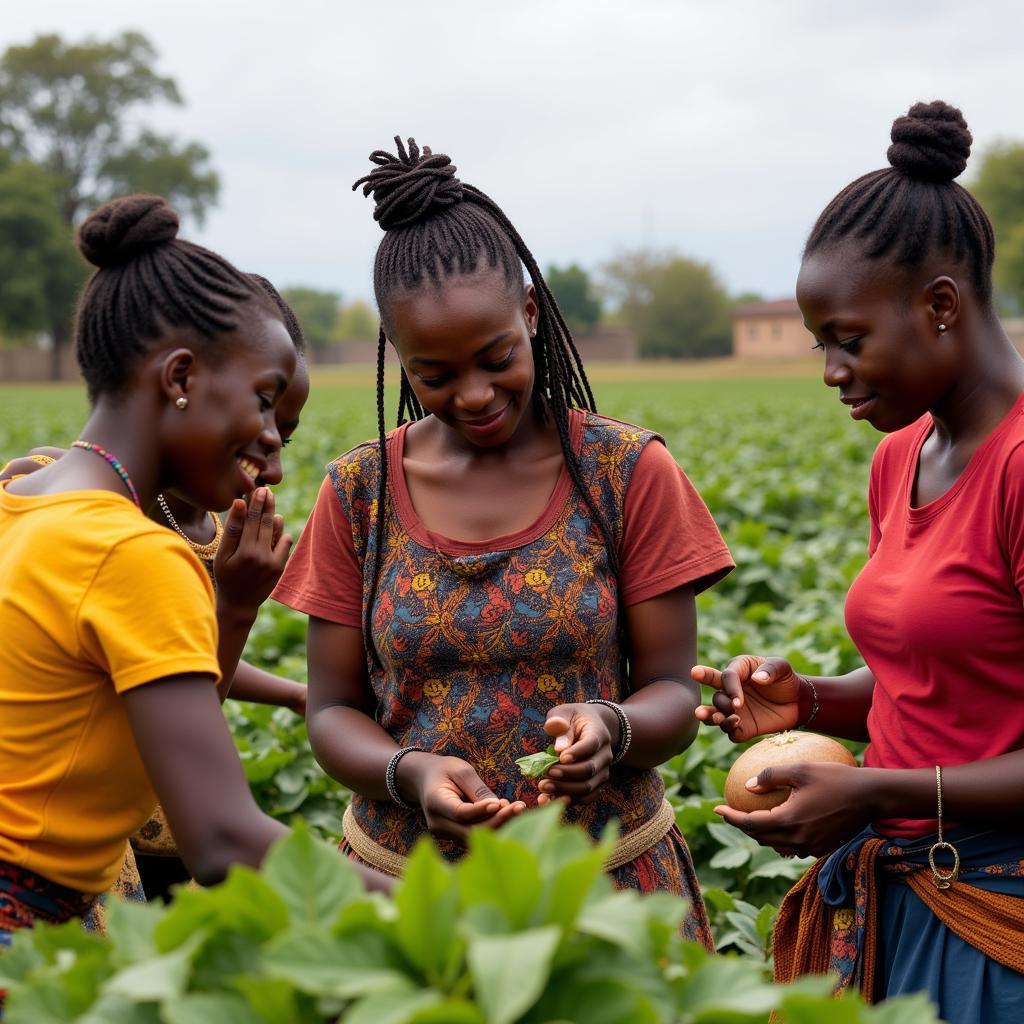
611 723
409 774
235 613
877 792
807 703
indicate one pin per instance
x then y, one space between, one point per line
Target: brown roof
778 307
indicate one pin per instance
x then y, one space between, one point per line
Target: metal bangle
389 776
815 707
625 730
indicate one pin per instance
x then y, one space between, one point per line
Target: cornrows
148 280
436 227
914 209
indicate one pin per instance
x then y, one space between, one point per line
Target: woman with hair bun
923 890
507 569
108 697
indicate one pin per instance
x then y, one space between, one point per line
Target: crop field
784 472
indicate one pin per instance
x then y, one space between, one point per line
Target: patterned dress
478 645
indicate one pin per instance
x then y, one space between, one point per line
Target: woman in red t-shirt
896 285
472 593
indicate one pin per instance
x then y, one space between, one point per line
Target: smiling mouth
855 402
484 421
248 467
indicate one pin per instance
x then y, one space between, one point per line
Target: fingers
278 530
234 524
559 726
770 670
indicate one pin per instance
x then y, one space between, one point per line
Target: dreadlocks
914 209
436 227
148 279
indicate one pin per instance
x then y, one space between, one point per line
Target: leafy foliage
317 311
785 474
999 187
574 291
301 942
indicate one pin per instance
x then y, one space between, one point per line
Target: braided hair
147 280
914 209
291 321
435 227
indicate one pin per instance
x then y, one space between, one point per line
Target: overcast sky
718 128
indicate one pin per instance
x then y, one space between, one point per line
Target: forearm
990 790
260 687
354 750
233 625
661 720
843 704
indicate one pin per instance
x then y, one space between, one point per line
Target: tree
676 306
39 266
317 312
357 322
1000 189
69 110
575 296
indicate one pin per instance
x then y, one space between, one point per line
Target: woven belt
627 849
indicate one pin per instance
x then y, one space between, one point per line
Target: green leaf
624 919
501 872
510 971
392 1007
428 903
534 766
217 1008
915 1009
315 881
160 977
130 926
346 968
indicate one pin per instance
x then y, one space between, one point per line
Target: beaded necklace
114 465
203 551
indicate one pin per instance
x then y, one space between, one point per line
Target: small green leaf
501 872
533 766
218 1008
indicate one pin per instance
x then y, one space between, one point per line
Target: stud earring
182 403
941 328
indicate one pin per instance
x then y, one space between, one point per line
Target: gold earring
182 403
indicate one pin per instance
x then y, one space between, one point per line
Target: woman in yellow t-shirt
106 695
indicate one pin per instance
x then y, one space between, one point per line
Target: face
228 435
287 415
880 339
467 353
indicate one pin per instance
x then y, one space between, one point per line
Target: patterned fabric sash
828 920
627 849
26 897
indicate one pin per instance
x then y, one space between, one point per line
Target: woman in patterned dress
516 570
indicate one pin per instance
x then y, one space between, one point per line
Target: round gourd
783 748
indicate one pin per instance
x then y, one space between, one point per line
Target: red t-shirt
937 612
669 537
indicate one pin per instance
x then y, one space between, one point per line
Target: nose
273 474
475 394
837 372
270 442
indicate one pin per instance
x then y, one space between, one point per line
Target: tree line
71 138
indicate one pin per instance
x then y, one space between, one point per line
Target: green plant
526 929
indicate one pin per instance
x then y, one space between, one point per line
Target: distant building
770 330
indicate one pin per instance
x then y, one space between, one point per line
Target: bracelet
389 775
815 707
943 879
625 730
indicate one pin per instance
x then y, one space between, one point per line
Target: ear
177 373
943 298
531 308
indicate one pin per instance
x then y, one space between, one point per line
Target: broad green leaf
346 968
160 977
392 1007
565 895
624 919
510 971
915 1009
130 926
212 1008
273 999
314 881
502 872
428 903
534 766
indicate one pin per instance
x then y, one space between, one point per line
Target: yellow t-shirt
95 599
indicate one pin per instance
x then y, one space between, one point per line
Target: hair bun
931 142
410 186
123 229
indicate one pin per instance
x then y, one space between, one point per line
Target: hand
756 696
829 804
26 464
252 552
452 796
585 739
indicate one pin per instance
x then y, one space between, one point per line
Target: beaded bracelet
389 776
625 730
815 708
